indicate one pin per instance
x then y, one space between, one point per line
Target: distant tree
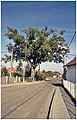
44 71
19 43
42 76
49 73
15 49
4 72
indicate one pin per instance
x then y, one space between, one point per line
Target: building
13 70
71 71
69 76
56 74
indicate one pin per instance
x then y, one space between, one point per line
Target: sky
58 15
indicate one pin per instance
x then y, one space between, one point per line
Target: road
26 101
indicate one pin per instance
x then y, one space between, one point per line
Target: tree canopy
44 45
37 46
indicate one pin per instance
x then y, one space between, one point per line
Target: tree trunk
11 64
32 74
23 71
39 69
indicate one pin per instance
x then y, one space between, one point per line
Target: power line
72 39
66 29
69 58
4 51
71 54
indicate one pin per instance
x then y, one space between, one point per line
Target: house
71 71
56 74
69 76
13 70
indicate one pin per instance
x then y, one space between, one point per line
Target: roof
72 62
12 68
56 72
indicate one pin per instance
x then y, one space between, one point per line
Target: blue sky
57 15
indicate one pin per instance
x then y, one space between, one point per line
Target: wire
68 57
72 39
71 54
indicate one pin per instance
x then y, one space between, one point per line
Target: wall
7 79
71 73
71 87
3 80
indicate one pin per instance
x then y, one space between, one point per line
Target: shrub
42 76
4 72
49 74
16 74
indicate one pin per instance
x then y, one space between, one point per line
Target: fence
7 80
3 80
71 87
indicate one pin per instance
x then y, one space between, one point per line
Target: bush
4 72
49 74
42 76
21 79
16 74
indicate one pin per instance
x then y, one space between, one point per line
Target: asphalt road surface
25 101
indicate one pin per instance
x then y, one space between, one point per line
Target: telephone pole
11 63
65 59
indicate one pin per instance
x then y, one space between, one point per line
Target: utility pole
65 59
11 63
39 69
23 71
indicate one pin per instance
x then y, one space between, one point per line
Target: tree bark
11 64
32 74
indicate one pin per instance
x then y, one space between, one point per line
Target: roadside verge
21 83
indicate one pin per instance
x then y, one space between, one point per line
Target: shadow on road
57 84
69 101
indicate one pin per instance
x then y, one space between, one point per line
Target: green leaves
62 32
6 58
14 35
19 68
38 45
43 48
4 72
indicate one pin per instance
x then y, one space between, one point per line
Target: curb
58 107
23 83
